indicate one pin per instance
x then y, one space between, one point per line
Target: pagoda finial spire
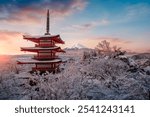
47 24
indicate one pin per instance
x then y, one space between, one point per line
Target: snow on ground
92 78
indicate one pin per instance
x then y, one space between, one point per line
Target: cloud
28 11
7 36
88 26
118 40
10 42
137 10
113 40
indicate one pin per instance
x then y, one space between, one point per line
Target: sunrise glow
124 23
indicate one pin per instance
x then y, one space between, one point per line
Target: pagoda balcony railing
44 69
44 45
45 57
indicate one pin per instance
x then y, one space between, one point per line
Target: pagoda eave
40 36
38 48
37 39
46 50
39 62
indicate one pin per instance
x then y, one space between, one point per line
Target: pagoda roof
33 61
39 36
36 38
36 49
39 48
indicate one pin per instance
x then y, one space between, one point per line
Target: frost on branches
96 77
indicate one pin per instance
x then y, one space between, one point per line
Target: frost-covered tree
104 48
98 78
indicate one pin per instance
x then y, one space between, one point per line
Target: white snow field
93 78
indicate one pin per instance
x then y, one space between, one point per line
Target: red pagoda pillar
45 49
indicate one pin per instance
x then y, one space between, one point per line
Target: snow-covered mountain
77 46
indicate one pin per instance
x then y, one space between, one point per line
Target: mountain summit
78 46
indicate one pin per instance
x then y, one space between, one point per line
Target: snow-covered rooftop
33 61
38 48
38 36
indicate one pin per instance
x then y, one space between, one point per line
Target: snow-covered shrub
89 54
105 68
98 78
86 55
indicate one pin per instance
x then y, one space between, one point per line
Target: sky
125 23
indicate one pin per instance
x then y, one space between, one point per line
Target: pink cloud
91 25
30 13
77 28
8 35
114 40
10 42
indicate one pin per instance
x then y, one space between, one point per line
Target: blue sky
125 23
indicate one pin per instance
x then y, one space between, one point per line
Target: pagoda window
53 65
53 54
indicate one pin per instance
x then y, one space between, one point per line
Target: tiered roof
37 49
37 38
47 38
33 61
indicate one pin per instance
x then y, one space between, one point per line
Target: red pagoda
45 49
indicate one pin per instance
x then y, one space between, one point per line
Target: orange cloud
10 42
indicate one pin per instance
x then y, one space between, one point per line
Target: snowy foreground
93 78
